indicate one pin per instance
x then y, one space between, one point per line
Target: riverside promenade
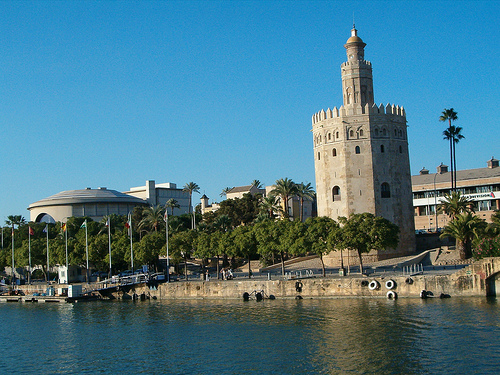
435 271
394 278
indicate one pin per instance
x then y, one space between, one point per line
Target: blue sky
113 93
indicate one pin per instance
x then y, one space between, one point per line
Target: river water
315 336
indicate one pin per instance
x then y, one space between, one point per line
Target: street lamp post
166 239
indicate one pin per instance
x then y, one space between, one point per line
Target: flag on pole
46 229
84 224
107 222
128 224
63 227
31 231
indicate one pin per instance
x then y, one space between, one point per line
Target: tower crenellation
389 109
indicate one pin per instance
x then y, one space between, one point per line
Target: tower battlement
388 109
355 63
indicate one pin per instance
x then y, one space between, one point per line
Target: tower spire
357 79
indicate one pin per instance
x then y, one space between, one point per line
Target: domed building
93 203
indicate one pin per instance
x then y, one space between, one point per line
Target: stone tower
361 153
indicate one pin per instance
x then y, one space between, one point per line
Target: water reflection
361 336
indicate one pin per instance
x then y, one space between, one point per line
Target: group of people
226 274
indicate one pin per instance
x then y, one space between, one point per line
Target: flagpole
166 237
48 263
109 242
87 249
131 247
29 255
66 238
13 266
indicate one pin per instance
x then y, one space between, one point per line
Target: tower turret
357 81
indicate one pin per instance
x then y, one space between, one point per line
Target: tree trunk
322 264
360 262
451 164
282 264
185 267
249 270
454 166
218 267
462 251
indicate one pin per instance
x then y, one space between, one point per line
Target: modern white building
158 194
481 186
97 203
94 203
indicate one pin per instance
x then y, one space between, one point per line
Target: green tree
246 244
365 232
191 188
203 247
284 189
269 239
449 115
318 231
148 250
172 203
242 210
454 204
304 192
181 244
463 228
152 218
269 205
493 228
257 184
225 191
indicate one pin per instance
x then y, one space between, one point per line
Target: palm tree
223 223
464 227
450 115
455 204
13 220
191 187
257 184
152 217
285 189
269 206
172 203
493 228
457 136
225 191
304 192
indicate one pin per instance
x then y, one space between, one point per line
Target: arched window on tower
376 132
337 135
319 156
384 132
385 190
351 133
336 193
400 149
357 150
360 132
329 136
334 152
382 149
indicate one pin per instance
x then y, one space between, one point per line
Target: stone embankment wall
479 279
